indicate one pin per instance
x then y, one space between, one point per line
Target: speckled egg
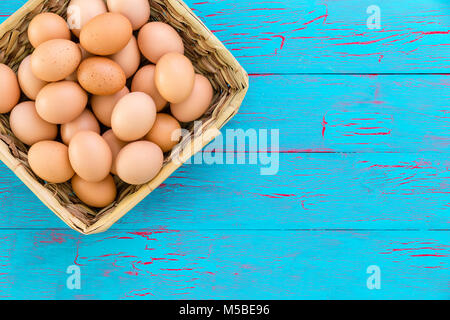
101 76
55 60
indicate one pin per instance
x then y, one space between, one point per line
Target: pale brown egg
157 39
129 58
61 102
55 60
29 83
139 162
198 102
95 194
103 106
49 160
90 156
101 76
144 81
174 77
9 89
85 122
115 145
106 34
80 12
28 127
47 26
133 116
137 11
166 132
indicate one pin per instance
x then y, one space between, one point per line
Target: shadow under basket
210 58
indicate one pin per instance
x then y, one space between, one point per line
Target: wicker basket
209 57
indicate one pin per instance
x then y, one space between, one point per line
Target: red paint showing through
77 254
283 40
324 126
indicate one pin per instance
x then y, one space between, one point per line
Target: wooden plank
170 264
310 191
293 36
341 113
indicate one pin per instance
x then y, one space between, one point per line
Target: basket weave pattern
209 57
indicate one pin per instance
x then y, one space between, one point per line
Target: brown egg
139 162
115 145
174 77
137 11
29 84
80 12
157 39
9 89
85 122
198 102
61 102
106 34
129 58
133 116
103 106
144 81
101 76
166 132
55 60
47 26
95 194
28 127
90 156
49 160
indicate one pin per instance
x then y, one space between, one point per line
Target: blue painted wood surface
363 180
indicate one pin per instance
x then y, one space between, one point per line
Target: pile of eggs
92 108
